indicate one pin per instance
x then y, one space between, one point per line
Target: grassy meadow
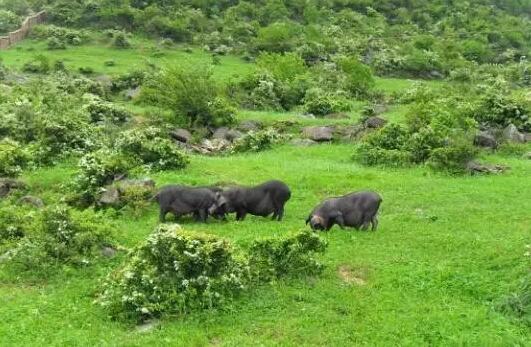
448 248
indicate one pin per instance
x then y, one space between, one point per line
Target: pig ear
218 195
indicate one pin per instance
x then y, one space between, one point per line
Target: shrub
100 111
109 63
453 157
320 103
420 144
282 67
498 108
191 93
151 147
9 21
256 141
121 41
13 158
174 272
55 43
359 78
86 70
277 37
271 259
60 236
129 80
99 169
15 222
39 64
518 304
370 155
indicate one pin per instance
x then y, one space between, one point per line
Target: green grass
446 250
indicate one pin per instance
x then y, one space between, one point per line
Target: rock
212 146
484 139
181 135
133 93
250 125
527 155
108 252
349 133
110 196
31 200
477 168
436 74
338 115
226 134
375 122
527 137
511 134
146 183
7 185
318 133
380 108
303 142
147 326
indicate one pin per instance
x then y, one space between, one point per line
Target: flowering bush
174 272
150 147
256 141
270 259
13 158
100 110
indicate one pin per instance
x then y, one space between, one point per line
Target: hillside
426 103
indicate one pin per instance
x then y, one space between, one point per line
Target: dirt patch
350 275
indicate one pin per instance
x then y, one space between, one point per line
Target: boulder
108 252
110 196
527 137
484 139
477 168
303 142
7 185
132 93
31 200
375 122
226 134
212 146
318 134
250 125
511 134
338 115
351 132
181 135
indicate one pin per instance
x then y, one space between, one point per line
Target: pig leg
374 222
240 215
162 215
203 215
280 213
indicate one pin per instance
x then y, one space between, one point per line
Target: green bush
321 103
453 157
121 41
128 80
39 64
86 70
98 169
59 34
100 111
174 272
9 21
367 154
60 236
277 37
256 141
13 158
191 93
358 77
15 222
151 147
55 43
271 259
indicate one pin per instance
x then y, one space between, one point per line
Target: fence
20 34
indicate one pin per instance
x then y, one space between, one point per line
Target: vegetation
425 102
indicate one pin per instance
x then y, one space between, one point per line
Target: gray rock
375 122
147 326
338 115
31 200
108 252
511 134
477 168
349 133
303 142
7 185
250 125
110 196
527 137
318 133
226 134
181 135
133 93
484 139
212 146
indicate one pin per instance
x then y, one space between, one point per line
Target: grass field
447 249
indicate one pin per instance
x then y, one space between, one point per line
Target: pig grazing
352 210
181 200
263 200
